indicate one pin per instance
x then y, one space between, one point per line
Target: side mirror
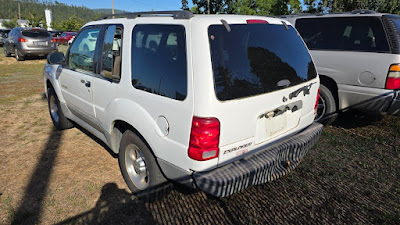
55 58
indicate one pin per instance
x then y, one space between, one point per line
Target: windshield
254 59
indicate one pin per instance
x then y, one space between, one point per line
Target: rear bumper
261 167
38 51
394 108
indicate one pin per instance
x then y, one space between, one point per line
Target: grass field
51 177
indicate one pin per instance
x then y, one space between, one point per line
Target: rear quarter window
343 33
159 60
252 59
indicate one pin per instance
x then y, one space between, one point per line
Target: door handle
87 83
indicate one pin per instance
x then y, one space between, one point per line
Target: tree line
65 17
284 7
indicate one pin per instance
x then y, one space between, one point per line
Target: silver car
24 42
357 55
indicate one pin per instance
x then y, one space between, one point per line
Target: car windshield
254 59
36 33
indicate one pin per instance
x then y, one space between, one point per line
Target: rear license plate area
277 121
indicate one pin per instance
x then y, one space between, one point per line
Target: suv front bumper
264 166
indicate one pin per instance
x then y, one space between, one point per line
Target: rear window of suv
343 33
252 59
36 33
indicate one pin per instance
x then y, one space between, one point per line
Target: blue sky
130 5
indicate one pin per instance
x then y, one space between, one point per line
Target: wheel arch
332 86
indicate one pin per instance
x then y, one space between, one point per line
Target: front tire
6 54
140 169
57 116
326 109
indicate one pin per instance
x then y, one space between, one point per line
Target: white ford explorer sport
216 102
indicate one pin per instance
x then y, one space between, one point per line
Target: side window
159 60
111 56
343 33
82 51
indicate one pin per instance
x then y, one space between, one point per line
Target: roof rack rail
363 11
179 14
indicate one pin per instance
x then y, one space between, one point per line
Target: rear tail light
393 79
21 40
256 21
54 40
204 139
316 103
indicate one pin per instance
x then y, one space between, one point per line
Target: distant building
23 23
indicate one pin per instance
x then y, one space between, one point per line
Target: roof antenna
226 25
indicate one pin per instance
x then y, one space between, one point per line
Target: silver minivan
357 55
24 42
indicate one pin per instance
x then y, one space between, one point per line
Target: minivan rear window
254 59
36 33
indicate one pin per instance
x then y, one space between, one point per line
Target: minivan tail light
204 139
316 103
21 40
257 21
393 79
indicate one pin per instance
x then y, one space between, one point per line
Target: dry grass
48 176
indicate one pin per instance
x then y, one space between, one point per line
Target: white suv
218 103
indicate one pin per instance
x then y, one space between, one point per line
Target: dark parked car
65 37
55 33
3 35
24 42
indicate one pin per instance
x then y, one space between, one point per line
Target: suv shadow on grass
31 206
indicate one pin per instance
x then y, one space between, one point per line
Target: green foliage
10 23
73 23
32 10
35 20
185 5
248 7
384 6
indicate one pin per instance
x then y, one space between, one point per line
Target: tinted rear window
252 59
343 33
36 33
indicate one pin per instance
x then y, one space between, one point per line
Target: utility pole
112 10
19 13
208 6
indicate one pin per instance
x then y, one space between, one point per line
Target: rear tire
57 116
18 55
140 169
326 109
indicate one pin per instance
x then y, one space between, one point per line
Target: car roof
153 17
354 13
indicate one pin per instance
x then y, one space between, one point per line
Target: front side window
343 33
82 50
159 60
111 56
254 59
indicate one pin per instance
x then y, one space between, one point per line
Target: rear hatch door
265 84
